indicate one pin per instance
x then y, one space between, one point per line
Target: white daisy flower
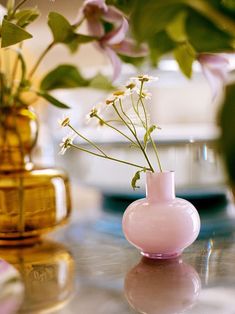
144 78
94 112
145 94
120 94
64 121
66 143
110 100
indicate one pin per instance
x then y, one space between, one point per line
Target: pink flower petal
95 3
93 10
113 15
115 60
212 59
117 35
215 69
95 27
129 48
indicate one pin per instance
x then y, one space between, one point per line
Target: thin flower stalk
128 118
136 137
108 157
87 140
150 136
103 122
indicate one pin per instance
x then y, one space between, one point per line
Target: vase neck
160 186
18 134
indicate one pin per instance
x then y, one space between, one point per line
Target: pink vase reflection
162 287
161 225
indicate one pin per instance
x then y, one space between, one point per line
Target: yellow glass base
31 204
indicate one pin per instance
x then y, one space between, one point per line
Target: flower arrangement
128 110
107 29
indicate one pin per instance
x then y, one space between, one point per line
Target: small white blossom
131 87
144 78
120 94
145 94
110 100
94 112
66 143
64 121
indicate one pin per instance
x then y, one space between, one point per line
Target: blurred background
183 108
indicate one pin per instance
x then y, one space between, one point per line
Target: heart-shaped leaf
61 29
12 34
185 55
64 76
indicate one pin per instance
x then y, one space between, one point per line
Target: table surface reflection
83 268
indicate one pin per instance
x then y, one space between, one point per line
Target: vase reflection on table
47 271
162 287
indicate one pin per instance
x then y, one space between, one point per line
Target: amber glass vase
33 200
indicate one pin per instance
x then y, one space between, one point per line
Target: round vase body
160 225
33 200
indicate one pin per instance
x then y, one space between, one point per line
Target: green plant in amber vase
34 200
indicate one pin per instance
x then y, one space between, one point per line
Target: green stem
17 7
41 57
115 129
86 139
21 225
14 71
136 112
156 152
145 114
135 136
150 137
128 118
108 157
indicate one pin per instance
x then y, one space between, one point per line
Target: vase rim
161 172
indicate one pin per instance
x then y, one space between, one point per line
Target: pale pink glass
163 287
161 225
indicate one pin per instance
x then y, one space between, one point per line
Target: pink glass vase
161 225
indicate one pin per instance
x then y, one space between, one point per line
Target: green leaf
25 17
185 55
229 4
227 138
152 16
64 76
101 82
61 29
74 41
176 28
136 178
12 34
52 100
148 133
205 36
160 44
63 32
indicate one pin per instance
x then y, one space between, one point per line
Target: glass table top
84 268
